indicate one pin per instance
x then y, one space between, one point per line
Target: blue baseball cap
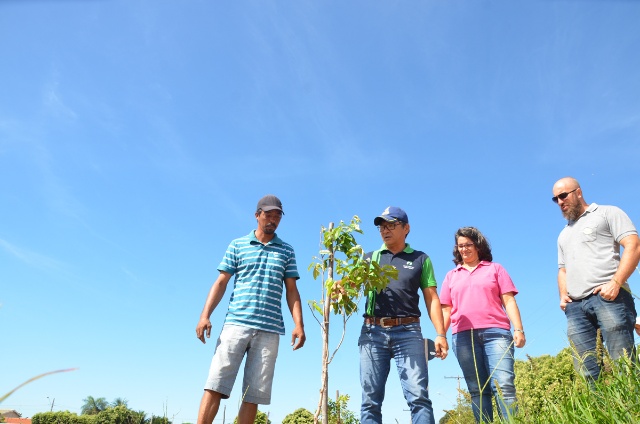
391 214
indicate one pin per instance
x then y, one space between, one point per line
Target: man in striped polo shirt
261 262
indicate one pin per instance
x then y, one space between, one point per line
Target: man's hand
442 347
564 299
608 291
298 334
203 327
337 290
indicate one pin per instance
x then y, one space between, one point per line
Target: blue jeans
405 344
615 319
486 358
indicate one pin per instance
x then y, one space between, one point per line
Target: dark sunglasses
562 196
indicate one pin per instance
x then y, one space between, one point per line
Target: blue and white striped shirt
260 271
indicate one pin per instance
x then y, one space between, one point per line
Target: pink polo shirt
474 296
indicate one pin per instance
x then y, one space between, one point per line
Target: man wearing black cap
261 262
391 326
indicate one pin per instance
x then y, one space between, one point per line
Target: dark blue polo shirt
401 298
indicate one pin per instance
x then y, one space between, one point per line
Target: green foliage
550 392
299 416
541 381
158 420
93 406
261 418
62 417
614 398
120 402
120 415
357 275
338 412
462 413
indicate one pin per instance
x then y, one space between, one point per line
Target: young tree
338 412
340 254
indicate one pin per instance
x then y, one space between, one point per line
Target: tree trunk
324 391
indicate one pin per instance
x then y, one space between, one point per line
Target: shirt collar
483 263
592 207
253 239
407 248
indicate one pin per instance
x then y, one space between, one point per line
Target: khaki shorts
261 348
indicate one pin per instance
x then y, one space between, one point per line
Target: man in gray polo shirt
592 275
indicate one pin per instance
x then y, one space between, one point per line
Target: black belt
390 321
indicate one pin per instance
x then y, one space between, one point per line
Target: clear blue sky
137 136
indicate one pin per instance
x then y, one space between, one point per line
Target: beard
573 212
269 229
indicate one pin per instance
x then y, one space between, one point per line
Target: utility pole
339 421
457 377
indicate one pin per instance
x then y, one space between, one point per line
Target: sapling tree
345 277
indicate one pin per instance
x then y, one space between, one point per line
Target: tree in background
462 413
542 380
299 416
120 415
159 420
93 406
341 253
541 383
338 412
62 417
261 418
120 402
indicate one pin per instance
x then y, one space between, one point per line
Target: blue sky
137 136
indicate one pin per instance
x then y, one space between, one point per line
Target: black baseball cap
269 203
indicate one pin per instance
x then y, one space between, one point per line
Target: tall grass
549 391
614 398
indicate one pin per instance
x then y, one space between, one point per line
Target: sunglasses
562 196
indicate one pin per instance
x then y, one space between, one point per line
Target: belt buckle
382 320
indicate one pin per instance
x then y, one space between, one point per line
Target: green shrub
62 417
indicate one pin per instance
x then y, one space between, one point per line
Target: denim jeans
486 358
615 319
404 343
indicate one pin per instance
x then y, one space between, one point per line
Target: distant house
18 420
12 416
9 413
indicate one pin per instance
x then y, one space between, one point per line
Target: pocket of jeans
414 326
607 300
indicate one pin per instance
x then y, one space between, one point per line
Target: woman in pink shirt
478 301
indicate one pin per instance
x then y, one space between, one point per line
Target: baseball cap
391 214
269 203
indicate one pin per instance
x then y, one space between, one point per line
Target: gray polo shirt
589 248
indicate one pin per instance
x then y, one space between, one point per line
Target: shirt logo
408 265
